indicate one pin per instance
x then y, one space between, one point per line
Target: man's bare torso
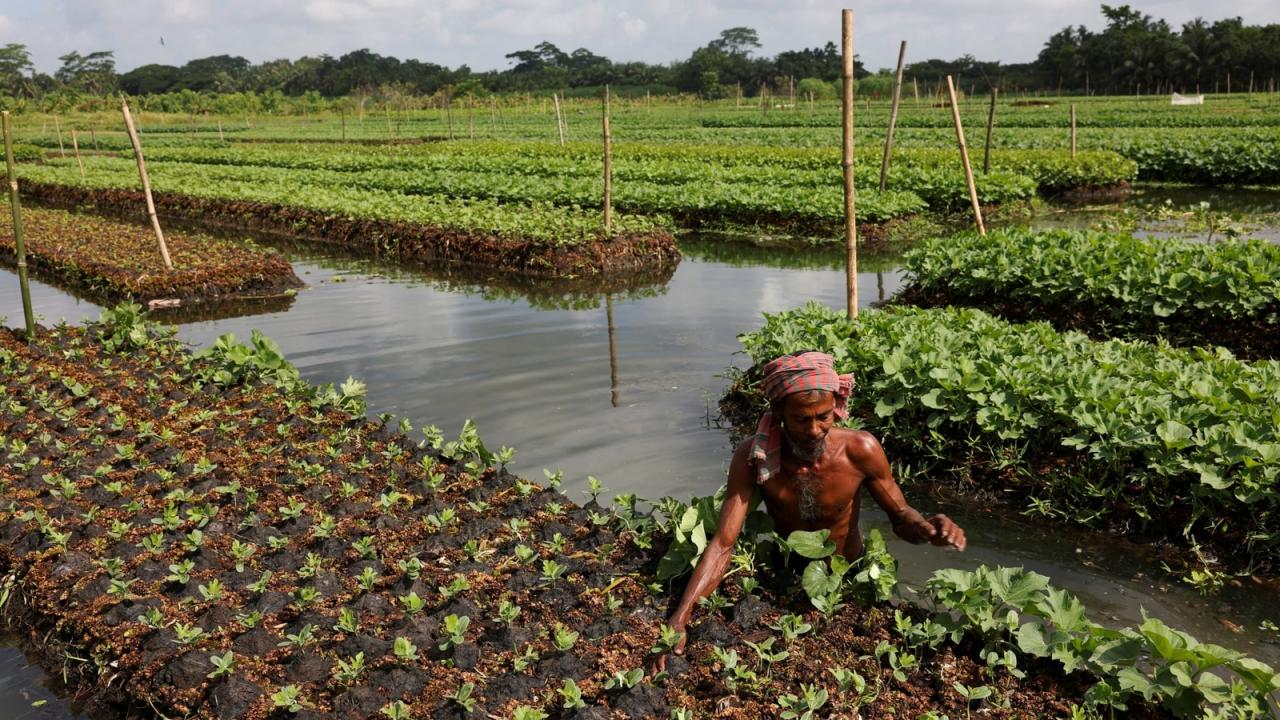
834 484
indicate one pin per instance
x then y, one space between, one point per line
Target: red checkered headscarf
785 376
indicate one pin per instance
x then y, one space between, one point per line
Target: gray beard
807 483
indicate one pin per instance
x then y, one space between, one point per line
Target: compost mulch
385 238
112 460
113 261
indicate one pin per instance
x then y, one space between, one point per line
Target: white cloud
336 11
632 27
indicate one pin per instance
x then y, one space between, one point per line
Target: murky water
623 386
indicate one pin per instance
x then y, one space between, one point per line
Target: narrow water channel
624 388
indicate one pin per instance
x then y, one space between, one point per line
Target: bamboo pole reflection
880 284
613 351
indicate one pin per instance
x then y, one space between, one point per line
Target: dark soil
374 499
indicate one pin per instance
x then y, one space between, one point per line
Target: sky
479 33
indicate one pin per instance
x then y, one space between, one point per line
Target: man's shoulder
857 444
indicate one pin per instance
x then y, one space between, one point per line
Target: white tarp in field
1187 99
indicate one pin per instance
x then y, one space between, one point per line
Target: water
623 386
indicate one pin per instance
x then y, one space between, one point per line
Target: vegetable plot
218 539
1141 439
1226 293
115 261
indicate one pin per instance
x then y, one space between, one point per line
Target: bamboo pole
20 248
850 226
991 121
471 118
386 109
343 114
964 157
58 126
93 135
559 125
146 183
791 90
608 166
221 138
448 111
893 117
1073 131
915 89
76 147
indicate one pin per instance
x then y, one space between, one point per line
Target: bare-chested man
810 475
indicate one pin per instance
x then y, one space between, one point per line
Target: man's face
807 418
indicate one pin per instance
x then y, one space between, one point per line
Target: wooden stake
846 162
58 126
471 118
608 166
559 125
386 109
893 117
915 89
20 248
76 147
964 157
791 90
991 121
343 114
146 183
221 138
737 105
448 110
1073 131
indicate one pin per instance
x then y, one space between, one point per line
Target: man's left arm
868 456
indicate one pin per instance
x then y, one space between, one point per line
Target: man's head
807 417
807 395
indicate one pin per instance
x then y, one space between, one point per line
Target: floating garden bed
1170 445
1227 293
111 261
205 535
489 236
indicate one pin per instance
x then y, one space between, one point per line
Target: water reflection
613 352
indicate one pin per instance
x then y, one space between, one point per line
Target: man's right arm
710 569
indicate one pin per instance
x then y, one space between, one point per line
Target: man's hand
659 663
946 533
938 530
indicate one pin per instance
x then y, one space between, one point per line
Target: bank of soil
110 261
160 509
387 238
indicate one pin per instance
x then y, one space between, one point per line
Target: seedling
668 639
765 654
250 619
412 568
222 665
260 585
970 694
241 552
180 572
457 585
524 712
572 695
306 596
367 579
564 638
118 588
152 618
187 634
812 699
211 591
525 554
462 697
455 631
349 671
347 622
526 658
300 639
405 650
365 548
286 698
624 680
551 571
791 627
397 710
412 603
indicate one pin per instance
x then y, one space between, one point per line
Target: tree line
1132 52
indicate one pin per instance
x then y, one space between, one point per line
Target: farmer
810 475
